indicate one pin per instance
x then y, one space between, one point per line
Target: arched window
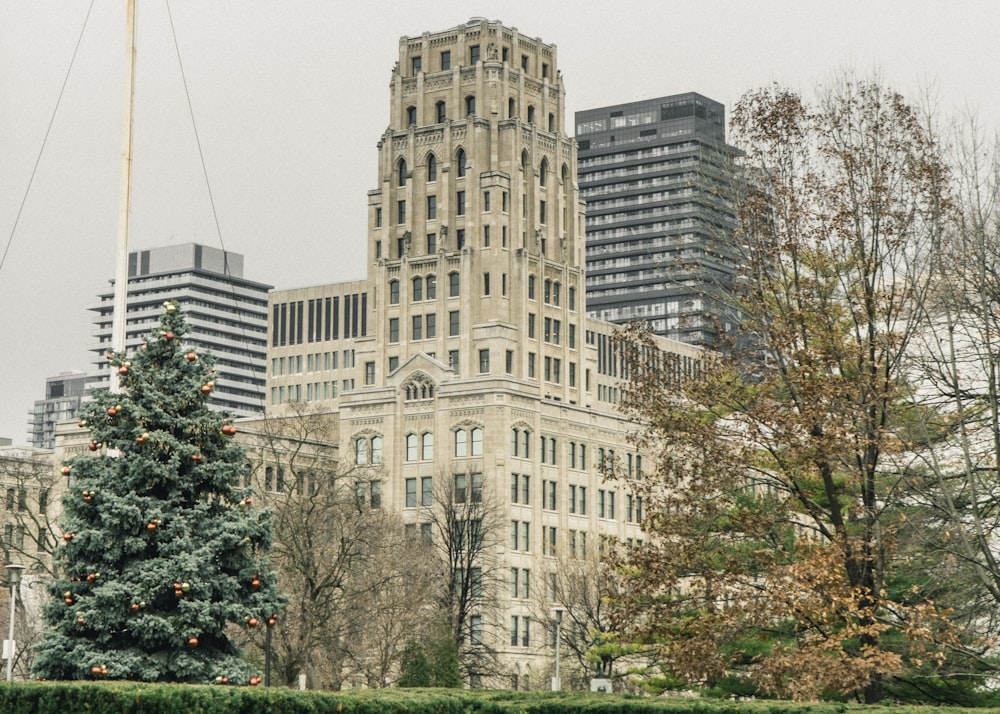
402 172
572 298
376 449
411 447
511 108
470 105
460 443
361 451
460 162
393 292
411 116
547 294
543 171
427 446
431 287
477 441
418 289
552 122
440 111
432 167
453 284
524 160
531 114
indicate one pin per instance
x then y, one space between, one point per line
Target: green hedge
128 698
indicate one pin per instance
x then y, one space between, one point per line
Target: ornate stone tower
476 229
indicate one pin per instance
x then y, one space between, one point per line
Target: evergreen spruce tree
163 548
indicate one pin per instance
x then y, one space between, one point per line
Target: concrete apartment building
226 312
654 175
466 353
64 394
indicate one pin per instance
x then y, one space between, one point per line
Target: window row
474 55
424 288
426 494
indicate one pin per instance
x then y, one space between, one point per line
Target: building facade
226 312
466 355
655 176
63 396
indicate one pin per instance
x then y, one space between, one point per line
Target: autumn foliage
776 500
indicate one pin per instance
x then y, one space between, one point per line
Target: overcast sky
291 96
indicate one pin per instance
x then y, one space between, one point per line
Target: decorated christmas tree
164 553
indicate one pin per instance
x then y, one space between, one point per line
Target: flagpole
124 197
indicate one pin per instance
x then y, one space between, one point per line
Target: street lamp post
13 577
556 682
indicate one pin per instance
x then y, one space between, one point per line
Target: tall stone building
656 175
466 355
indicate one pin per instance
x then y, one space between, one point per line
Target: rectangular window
541 212
550 495
453 323
572 337
393 329
515 539
426 491
486 283
583 501
378 217
460 238
503 284
525 490
445 60
432 241
525 537
572 498
611 505
572 374
486 200
514 629
430 322
400 212
461 483
486 236
600 503
531 365
376 494
531 325
473 54
476 629
484 361
515 582
369 373
509 362
525 633
411 492
550 541
432 208
415 64
514 487
453 359
460 203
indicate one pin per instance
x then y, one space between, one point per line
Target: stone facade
467 350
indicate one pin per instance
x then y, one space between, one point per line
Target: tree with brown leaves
774 503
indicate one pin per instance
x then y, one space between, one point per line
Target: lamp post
556 682
14 578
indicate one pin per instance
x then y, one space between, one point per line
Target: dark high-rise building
654 175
